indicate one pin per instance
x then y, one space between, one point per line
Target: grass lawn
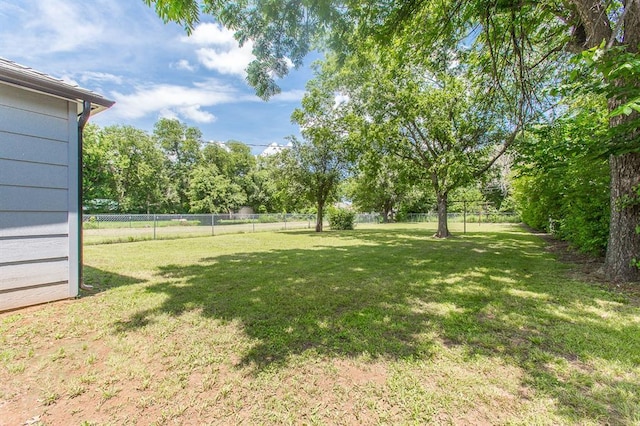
381 325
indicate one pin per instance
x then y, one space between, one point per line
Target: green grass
381 325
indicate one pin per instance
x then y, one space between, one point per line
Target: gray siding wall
38 148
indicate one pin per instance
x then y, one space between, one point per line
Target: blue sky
122 50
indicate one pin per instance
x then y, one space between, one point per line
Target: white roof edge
22 76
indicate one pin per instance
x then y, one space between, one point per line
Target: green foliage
614 73
181 147
563 183
342 219
96 178
318 165
382 183
135 165
537 201
127 170
212 192
271 189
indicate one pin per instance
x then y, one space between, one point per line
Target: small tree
315 170
319 164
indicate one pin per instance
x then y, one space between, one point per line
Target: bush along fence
113 228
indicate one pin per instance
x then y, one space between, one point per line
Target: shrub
91 223
341 219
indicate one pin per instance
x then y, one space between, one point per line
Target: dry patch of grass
375 326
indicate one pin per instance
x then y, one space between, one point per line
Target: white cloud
167 113
69 80
231 62
219 50
184 64
64 26
100 77
289 96
207 33
61 36
173 101
194 113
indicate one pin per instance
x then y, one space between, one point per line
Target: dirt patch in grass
587 267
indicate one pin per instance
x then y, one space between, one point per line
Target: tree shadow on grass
101 280
399 294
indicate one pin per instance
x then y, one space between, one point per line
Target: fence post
154 225
465 216
213 221
285 221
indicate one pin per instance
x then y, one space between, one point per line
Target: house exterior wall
38 193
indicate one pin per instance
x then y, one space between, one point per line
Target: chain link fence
114 228
469 217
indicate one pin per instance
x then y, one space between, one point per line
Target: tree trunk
443 229
624 241
384 216
319 217
386 210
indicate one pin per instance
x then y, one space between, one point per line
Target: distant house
273 149
41 121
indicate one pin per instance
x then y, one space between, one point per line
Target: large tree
515 37
136 169
181 146
427 112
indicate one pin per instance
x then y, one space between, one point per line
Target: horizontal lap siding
24 199
34 295
26 100
33 224
46 273
38 175
34 197
37 150
31 250
33 124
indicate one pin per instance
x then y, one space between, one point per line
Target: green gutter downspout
82 121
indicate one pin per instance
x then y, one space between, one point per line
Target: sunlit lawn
381 325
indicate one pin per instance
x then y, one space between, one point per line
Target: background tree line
172 170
